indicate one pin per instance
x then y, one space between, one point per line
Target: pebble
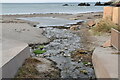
59 50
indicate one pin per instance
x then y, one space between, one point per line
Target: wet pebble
59 51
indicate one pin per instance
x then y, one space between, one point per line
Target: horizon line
51 2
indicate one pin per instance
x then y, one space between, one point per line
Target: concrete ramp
14 54
105 63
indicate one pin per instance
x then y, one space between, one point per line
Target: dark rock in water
103 4
84 4
108 3
117 5
65 5
99 4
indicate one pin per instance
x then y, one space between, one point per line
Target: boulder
91 23
84 4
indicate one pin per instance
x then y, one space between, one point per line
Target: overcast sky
43 1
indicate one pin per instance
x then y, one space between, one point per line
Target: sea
38 8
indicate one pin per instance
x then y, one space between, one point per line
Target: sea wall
115 39
14 55
116 15
108 12
112 13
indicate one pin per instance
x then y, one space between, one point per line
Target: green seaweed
41 47
39 51
85 63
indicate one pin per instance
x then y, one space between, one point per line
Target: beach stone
74 27
107 44
73 18
91 23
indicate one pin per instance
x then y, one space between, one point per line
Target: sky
44 1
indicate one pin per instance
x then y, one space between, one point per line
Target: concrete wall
108 13
115 39
13 56
112 13
10 69
116 15
105 63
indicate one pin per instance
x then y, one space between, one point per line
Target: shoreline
49 13
13 19
79 16
84 16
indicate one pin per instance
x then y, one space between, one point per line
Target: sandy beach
24 31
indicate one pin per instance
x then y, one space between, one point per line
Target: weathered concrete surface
23 32
13 55
108 12
115 39
112 13
0 50
105 63
107 44
116 15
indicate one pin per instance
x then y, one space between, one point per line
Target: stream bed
59 50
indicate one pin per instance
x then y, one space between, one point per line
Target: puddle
51 21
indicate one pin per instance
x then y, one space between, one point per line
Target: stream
59 50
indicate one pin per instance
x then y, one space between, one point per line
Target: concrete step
14 54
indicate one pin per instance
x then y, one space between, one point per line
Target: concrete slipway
13 56
105 63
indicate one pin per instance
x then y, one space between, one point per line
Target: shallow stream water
63 42
51 21
59 51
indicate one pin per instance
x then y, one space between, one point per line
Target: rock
65 5
66 55
82 51
84 4
117 5
103 4
108 3
34 25
91 23
73 19
84 71
66 48
99 4
107 44
74 27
